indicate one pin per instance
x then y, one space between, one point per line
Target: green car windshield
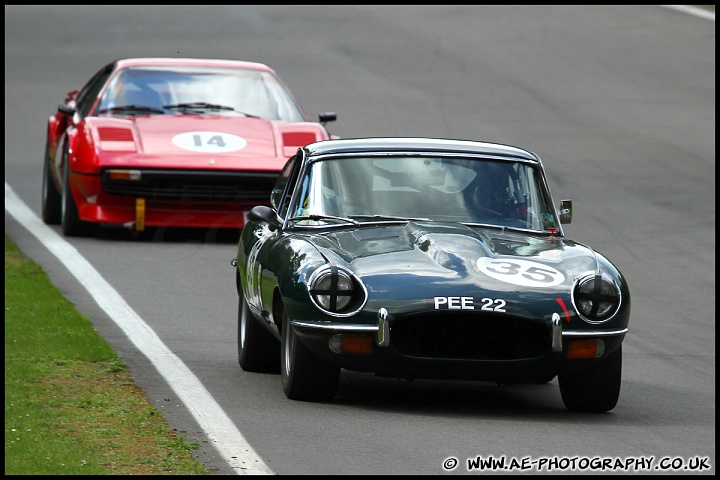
472 191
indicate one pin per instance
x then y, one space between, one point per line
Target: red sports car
171 142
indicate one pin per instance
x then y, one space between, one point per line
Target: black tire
546 379
595 391
72 226
51 198
258 349
304 376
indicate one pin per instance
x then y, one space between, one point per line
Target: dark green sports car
425 258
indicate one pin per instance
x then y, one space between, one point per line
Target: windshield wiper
324 217
506 228
133 109
391 218
206 106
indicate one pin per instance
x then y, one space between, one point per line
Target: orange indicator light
585 348
124 174
353 344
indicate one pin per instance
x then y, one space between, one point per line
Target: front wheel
595 391
258 350
51 198
304 376
546 379
72 226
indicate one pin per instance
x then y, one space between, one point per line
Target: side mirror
565 211
264 214
66 110
327 117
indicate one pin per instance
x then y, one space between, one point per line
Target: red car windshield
216 90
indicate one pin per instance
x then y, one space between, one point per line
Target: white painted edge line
221 430
697 11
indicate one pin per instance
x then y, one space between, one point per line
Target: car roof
405 144
197 62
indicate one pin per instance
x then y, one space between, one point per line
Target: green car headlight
332 289
596 298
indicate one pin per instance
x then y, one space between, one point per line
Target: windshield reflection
221 91
466 190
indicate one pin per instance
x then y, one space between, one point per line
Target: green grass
71 407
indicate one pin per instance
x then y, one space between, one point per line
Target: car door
266 236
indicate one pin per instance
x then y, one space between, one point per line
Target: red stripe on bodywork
562 305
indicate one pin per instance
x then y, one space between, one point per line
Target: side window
539 209
282 191
89 93
303 197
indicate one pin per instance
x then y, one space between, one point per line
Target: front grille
194 185
474 336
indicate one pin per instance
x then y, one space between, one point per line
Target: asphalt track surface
619 101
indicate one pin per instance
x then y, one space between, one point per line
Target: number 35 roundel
520 272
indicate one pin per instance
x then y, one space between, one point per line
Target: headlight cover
336 291
596 298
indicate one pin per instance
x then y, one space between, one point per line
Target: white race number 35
520 272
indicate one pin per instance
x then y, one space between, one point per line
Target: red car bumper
94 205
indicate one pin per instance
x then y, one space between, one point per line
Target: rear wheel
258 350
304 376
72 226
595 391
51 198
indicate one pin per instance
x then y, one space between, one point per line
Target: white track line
221 430
692 10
